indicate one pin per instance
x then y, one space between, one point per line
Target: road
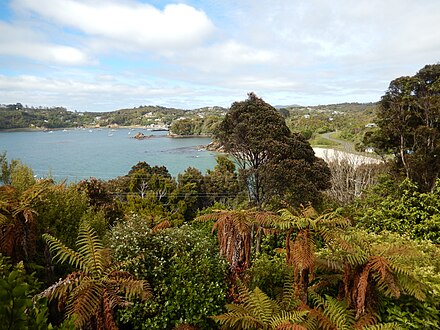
346 146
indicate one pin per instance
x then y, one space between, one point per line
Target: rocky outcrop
141 136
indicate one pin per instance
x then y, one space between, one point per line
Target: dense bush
405 210
184 269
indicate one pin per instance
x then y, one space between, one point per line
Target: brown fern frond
367 319
161 225
185 327
361 290
84 301
109 322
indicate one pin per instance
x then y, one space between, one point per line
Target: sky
103 55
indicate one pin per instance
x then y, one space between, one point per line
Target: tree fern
93 292
257 311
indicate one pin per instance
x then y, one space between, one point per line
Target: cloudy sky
101 55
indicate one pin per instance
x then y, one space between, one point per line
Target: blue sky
103 55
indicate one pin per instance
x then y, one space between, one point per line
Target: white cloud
23 42
131 24
308 51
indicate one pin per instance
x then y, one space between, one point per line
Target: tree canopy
409 125
256 135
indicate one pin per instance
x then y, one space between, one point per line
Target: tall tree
256 135
409 122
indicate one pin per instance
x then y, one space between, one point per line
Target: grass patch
322 141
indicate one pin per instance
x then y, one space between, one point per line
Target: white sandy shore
332 155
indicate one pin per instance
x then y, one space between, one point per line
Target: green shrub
184 269
404 211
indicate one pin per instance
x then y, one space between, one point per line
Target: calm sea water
104 154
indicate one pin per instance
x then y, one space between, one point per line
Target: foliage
293 173
257 311
184 269
19 309
267 272
195 125
409 125
405 210
348 119
309 229
378 266
96 289
235 230
15 173
256 135
101 199
221 184
18 220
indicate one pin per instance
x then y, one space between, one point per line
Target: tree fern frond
84 301
336 312
290 326
288 300
260 305
162 225
60 289
131 287
64 253
232 320
384 326
368 319
124 264
361 289
284 318
90 246
412 287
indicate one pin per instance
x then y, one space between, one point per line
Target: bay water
77 154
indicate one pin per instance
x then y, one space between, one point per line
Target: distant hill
350 119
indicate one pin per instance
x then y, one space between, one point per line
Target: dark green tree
256 135
409 125
221 184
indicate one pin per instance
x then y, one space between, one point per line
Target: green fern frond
288 300
260 305
335 311
284 318
233 320
64 253
90 246
383 326
131 287
412 287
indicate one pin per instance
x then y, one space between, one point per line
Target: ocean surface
77 154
